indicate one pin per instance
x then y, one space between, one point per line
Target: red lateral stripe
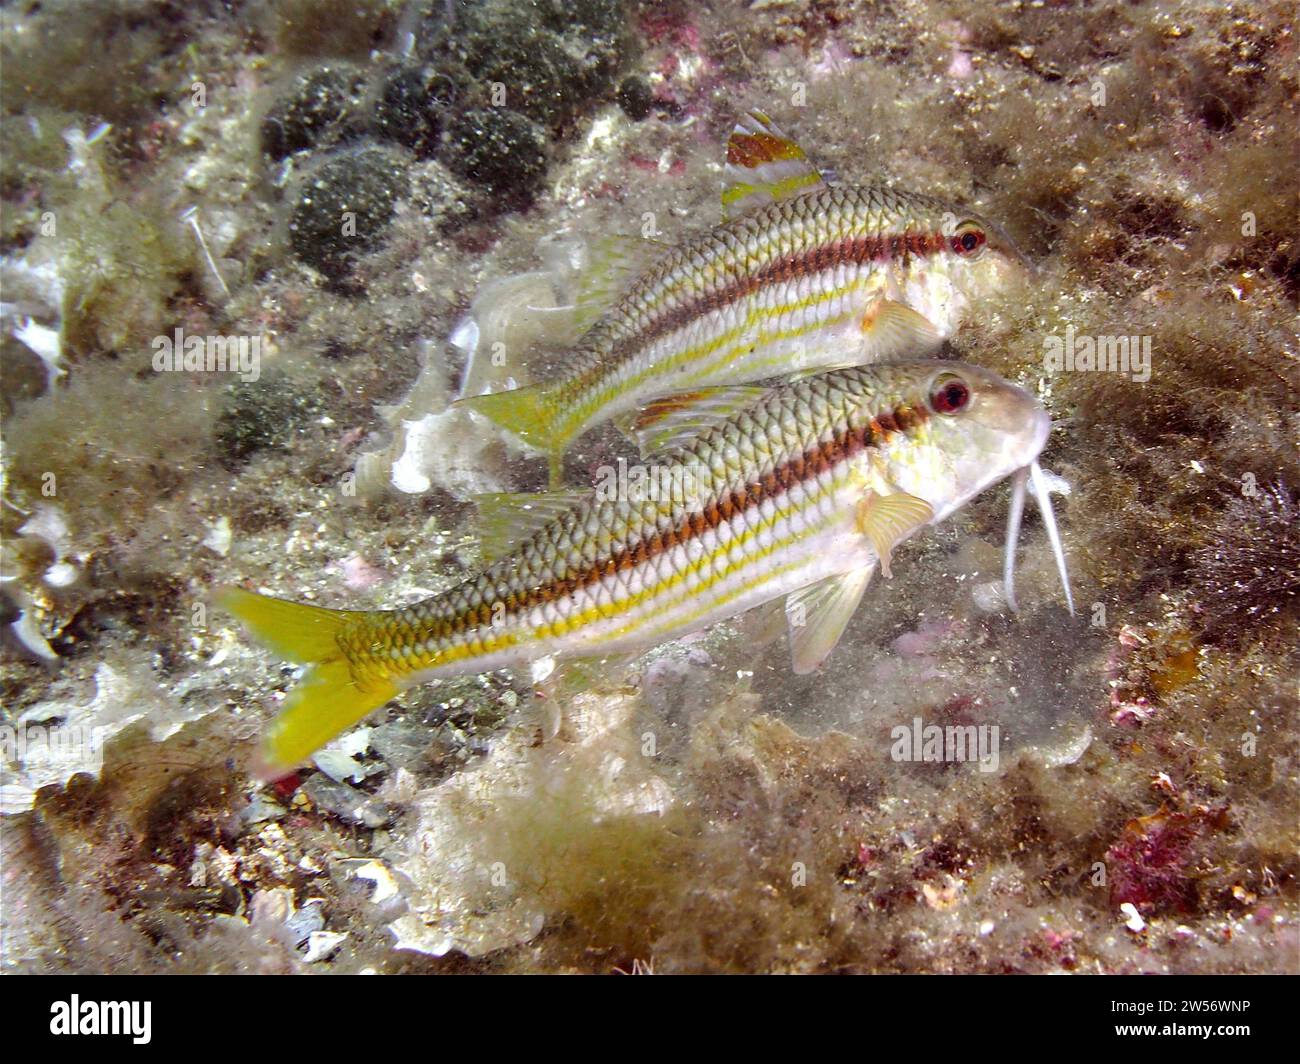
806 466
853 250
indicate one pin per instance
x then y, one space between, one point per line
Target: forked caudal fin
530 413
328 699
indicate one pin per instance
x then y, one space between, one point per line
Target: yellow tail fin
328 699
530 413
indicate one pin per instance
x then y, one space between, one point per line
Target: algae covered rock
500 150
411 107
263 415
549 61
317 107
636 97
344 207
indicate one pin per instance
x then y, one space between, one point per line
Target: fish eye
969 240
949 395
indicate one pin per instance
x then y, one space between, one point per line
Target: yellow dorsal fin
506 519
887 520
764 165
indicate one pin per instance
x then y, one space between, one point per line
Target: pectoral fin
818 614
890 328
887 520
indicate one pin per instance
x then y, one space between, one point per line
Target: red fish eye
967 242
950 397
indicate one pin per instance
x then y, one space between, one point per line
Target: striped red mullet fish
802 276
801 491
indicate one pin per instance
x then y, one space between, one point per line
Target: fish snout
1012 413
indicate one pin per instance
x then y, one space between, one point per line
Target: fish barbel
800 490
802 276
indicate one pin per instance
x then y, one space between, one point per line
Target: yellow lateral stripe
603 611
733 567
564 625
711 346
772 360
740 541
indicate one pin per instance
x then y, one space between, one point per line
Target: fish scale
828 276
811 480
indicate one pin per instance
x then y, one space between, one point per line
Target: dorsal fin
669 423
764 165
818 614
614 262
506 519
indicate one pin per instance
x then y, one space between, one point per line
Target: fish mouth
1042 429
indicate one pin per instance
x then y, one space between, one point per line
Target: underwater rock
346 802
401 743
23 372
317 108
636 97
500 150
65 738
492 851
538 77
411 107
1250 568
262 415
344 207
446 200
547 61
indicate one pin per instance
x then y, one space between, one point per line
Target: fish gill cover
256 269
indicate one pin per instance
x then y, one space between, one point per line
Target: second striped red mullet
800 276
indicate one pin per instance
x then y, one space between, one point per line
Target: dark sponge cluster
487 90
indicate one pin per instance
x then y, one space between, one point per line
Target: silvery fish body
803 276
798 491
